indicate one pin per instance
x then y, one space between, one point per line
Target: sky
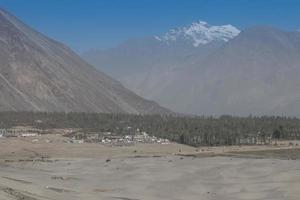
101 24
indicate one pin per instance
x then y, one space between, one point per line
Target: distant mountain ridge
255 71
40 74
173 50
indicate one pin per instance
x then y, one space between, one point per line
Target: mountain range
40 74
211 70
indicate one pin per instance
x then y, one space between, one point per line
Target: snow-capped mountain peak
200 33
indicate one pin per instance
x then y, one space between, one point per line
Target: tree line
196 130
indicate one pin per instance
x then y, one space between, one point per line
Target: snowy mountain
149 66
200 33
256 72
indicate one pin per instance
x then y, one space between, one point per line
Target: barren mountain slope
253 72
40 74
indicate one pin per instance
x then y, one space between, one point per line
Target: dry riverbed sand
42 170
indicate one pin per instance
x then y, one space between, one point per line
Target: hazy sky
86 24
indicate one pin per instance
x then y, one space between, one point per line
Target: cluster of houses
114 139
29 131
79 137
109 138
254 139
20 131
134 139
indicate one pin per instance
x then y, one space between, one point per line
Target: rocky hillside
41 74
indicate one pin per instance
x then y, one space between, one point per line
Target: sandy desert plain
43 170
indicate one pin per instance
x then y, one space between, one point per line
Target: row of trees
224 130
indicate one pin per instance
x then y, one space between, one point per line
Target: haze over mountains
211 70
40 74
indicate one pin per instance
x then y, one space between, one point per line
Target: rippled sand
55 170
168 177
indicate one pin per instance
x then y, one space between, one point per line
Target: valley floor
51 169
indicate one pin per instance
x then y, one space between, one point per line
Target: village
127 137
113 139
78 137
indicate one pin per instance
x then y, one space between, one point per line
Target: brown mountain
256 72
41 74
